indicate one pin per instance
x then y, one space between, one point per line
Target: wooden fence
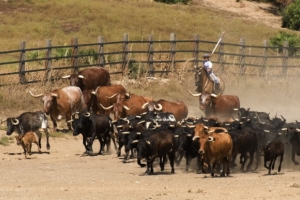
146 56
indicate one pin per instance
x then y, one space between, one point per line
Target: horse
205 84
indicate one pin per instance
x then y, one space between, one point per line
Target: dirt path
254 11
61 173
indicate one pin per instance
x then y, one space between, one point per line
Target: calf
26 141
271 152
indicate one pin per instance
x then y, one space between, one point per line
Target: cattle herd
148 129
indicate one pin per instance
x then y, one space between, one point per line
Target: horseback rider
207 64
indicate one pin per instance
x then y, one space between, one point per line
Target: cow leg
68 121
38 146
101 145
47 138
29 148
245 156
251 160
39 134
294 147
113 138
161 164
213 168
54 123
179 158
281 159
273 165
172 160
188 160
270 166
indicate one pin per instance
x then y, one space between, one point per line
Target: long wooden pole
217 43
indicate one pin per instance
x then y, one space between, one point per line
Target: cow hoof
48 147
90 153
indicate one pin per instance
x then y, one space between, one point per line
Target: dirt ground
254 11
62 173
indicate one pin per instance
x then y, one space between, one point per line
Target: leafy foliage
291 16
278 40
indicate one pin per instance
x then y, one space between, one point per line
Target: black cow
271 152
29 121
293 137
157 145
92 125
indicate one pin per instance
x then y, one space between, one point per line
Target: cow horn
297 129
210 139
134 141
111 96
125 132
145 105
195 95
80 76
148 142
124 119
67 76
127 107
213 95
195 137
106 108
14 121
3 120
70 120
54 94
140 122
127 94
87 114
284 129
37 95
159 107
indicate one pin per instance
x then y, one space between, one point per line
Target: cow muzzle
201 151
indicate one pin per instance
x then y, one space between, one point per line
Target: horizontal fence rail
148 57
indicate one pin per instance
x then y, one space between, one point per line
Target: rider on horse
207 64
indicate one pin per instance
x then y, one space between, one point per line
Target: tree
291 16
293 39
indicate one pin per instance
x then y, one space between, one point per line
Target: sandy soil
254 11
61 173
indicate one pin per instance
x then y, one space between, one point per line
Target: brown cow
26 141
106 96
178 108
214 146
222 106
61 103
126 107
90 78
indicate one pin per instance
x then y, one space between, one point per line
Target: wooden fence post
22 70
150 56
74 60
173 50
196 51
242 57
100 60
265 58
221 57
285 54
48 60
125 52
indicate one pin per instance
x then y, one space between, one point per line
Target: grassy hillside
60 20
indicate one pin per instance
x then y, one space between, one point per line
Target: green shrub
291 16
277 41
174 1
